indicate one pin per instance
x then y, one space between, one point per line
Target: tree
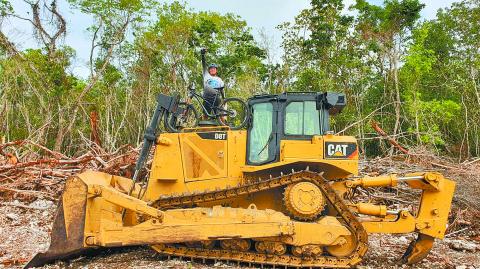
431 114
418 79
168 50
454 39
315 45
386 29
164 57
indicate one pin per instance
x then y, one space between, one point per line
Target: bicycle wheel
187 118
233 112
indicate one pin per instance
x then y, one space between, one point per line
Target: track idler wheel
347 245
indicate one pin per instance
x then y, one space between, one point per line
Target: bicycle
232 112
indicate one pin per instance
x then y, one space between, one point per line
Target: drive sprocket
303 200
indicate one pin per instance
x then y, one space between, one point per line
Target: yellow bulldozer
280 193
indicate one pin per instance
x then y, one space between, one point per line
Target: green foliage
325 23
389 64
420 59
109 9
168 49
5 8
418 79
318 60
393 16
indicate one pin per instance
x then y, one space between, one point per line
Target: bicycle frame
199 98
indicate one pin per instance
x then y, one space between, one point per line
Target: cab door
262 143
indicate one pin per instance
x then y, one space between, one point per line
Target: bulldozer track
252 257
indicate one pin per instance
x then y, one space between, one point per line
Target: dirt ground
25 227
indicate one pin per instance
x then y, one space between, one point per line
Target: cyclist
212 84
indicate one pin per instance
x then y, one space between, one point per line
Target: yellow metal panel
221 167
189 163
237 150
334 169
293 149
203 158
167 161
432 216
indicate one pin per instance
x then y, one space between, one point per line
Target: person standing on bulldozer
212 84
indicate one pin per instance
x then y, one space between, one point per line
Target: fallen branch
11 262
395 199
53 153
42 174
362 120
12 159
13 143
392 141
472 162
456 232
445 166
24 206
23 142
45 161
29 192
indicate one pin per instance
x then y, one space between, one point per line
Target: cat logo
338 150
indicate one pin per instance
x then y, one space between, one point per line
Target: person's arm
204 63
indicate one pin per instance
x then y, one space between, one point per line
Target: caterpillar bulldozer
280 193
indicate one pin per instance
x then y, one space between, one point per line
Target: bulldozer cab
287 116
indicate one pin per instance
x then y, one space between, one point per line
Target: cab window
302 118
260 133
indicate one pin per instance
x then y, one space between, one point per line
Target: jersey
213 81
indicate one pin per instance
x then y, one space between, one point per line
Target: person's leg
216 102
209 95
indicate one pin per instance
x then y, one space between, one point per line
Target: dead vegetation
32 178
29 170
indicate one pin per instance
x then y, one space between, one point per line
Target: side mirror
334 102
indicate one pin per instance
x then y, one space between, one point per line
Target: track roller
270 247
236 244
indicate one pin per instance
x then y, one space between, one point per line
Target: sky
260 15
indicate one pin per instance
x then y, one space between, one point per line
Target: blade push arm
432 215
430 220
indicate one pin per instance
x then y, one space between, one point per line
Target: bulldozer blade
68 227
418 249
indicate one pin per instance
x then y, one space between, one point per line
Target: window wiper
266 144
